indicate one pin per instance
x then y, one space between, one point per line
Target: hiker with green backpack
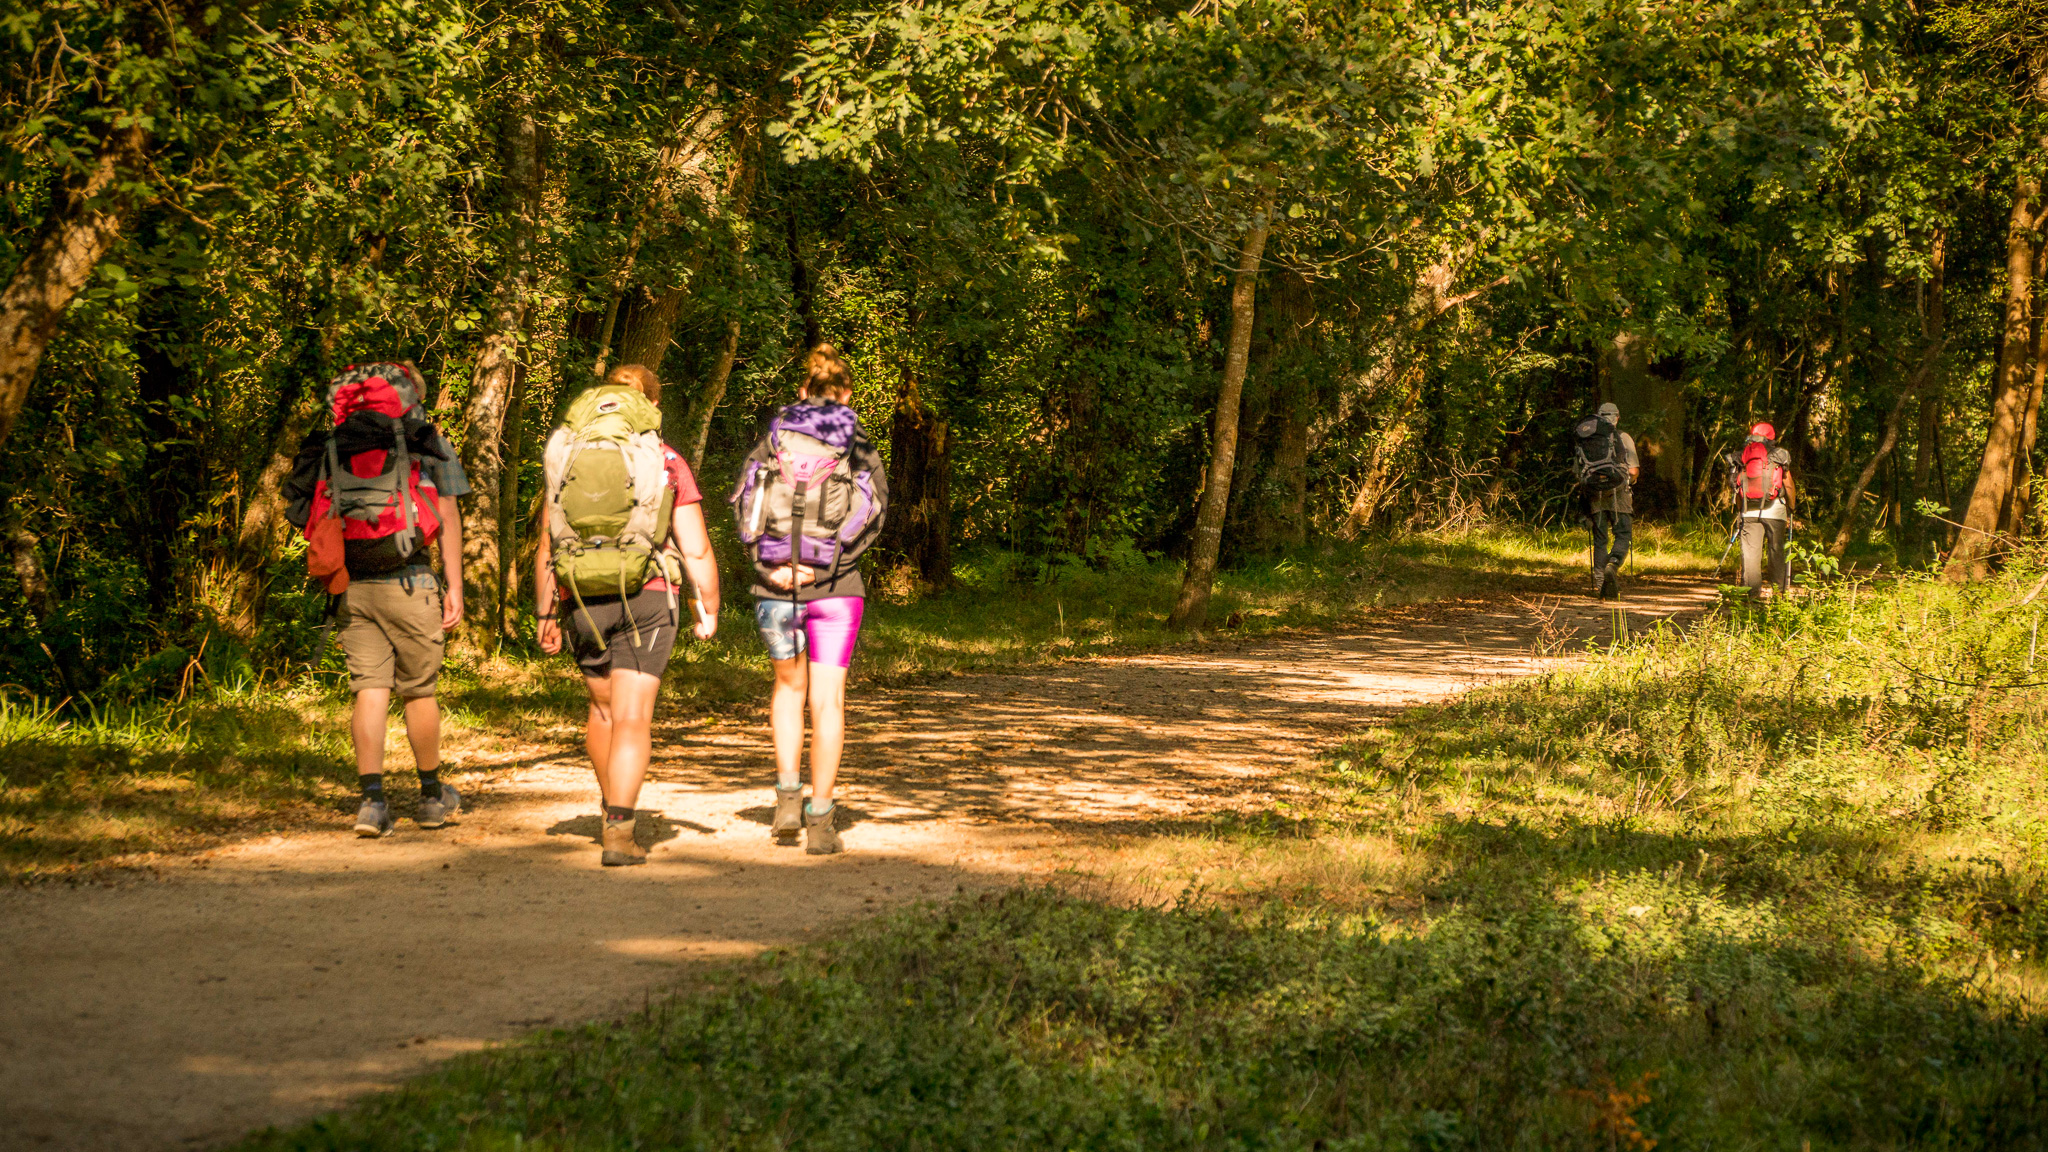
623 526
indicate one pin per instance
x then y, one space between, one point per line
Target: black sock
614 812
373 786
430 784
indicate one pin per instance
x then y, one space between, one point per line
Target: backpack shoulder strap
555 470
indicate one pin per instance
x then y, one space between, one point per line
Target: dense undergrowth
1776 882
227 754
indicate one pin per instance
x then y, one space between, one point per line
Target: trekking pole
327 629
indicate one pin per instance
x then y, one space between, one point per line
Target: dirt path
268 981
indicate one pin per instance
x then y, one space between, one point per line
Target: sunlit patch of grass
77 789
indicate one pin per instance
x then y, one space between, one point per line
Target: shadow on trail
649 828
1136 741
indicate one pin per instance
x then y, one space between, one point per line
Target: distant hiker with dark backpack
371 489
1761 482
1604 458
624 523
810 499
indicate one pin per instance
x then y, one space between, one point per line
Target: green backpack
608 499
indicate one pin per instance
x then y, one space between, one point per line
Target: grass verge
1778 882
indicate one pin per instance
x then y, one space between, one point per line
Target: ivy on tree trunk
1191 608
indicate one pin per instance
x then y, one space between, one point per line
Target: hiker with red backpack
810 499
624 523
371 488
1761 479
1606 464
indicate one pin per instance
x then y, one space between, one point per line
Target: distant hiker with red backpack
1605 460
1761 481
810 499
624 523
372 488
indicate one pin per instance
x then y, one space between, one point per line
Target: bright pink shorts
829 628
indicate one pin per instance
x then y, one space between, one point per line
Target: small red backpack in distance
369 487
1761 479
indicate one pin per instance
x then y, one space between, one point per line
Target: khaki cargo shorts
392 638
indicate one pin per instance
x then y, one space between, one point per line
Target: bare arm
451 561
544 596
686 528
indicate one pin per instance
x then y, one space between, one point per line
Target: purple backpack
799 484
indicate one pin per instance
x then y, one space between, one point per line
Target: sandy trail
268 981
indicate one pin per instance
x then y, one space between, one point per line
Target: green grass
1776 883
118 782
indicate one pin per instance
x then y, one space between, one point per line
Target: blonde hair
826 375
637 376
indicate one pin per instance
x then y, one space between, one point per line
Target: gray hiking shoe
1610 578
1599 583
373 819
434 813
789 813
820 837
619 846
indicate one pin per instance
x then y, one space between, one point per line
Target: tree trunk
169 454
85 217
919 529
497 367
651 328
1933 326
26 553
1971 559
1845 525
2023 472
1429 300
1365 504
2020 503
686 151
800 281
1290 469
714 393
508 504
1191 609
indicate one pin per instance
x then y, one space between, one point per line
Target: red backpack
368 514
1762 479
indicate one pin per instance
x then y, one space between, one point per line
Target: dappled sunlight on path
267 981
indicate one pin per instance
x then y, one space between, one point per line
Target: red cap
1765 431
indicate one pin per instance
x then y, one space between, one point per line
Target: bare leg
786 718
423 732
631 723
366 728
828 728
597 733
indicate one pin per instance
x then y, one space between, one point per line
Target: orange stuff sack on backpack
327 554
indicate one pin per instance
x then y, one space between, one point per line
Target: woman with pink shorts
810 500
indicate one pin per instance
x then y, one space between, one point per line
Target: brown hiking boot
820 838
789 813
619 845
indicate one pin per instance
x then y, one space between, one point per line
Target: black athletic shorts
601 632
